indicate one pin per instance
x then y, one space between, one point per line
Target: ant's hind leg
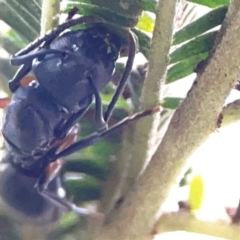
14 83
67 205
97 136
51 173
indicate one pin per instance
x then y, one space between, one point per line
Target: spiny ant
40 123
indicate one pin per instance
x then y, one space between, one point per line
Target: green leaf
121 103
210 3
130 8
98 169
6 68
144 40
67 219
194 47
148 5
11 41
21 17
84 188
108 15
171 102
184 67
201 25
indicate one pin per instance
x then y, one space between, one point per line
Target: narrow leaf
196 46
184 68
171 102
210 3
201 25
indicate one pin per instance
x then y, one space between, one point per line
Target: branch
137 145
49 19
232 11
191 124
186 221
231 113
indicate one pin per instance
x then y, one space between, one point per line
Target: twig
191 124
131 223
231 113
50 11
188 222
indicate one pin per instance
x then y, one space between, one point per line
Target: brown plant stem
186 221
50 11
191 124
230 113
131 223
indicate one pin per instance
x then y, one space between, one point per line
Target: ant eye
75 47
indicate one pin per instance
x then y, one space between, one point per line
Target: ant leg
66 204
26 62
51 172
62 130
18 60
52 34
99 120
14 83
127 71
95 137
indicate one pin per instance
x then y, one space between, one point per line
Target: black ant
39 125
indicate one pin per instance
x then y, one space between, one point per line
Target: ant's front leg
14 83
26 62
40 53
99 119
